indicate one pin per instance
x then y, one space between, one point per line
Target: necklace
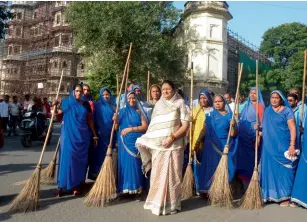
277 109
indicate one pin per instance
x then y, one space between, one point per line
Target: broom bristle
47 174
27 199
187 186
252 198
220 191
104 189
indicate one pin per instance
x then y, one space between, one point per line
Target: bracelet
95 138
172 136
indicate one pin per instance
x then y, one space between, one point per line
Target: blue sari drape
217 128
247 139
130 176
74 144
103 115
299 191
277 172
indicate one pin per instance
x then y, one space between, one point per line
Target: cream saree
165 163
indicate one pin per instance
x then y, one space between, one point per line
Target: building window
18 32
19 15
56 41
82 66
10 31
35 15
16 49
58 19
55 64
65 40
64 64
10 49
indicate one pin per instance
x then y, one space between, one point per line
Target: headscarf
248 113
199 117
139 97
284 99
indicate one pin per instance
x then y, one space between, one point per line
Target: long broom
220 191
187 186
252 198
47 174
148 85
27 199
104 189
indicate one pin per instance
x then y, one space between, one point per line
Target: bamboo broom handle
109 151
126 79
117 85
191 106
50 124
304 87
236 100
148 83
257 117
57 149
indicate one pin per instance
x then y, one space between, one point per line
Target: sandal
284 204
76 192
293 205
59 193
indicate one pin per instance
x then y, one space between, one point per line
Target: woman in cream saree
161 150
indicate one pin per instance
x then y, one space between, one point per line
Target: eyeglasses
290 100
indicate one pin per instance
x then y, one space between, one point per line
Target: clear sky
252 18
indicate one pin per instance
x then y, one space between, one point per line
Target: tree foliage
285 44
5 15
104 30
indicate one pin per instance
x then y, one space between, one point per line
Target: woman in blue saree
247 136
279 135
132 124
75 138
216 130
103 119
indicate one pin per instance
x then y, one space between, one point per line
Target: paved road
17 164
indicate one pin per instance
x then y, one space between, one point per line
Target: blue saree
299 191
247 139
217 128
103 115
74 144
130 176
277 172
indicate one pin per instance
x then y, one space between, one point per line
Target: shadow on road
12 168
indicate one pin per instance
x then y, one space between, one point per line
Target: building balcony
58 8
15 57
69 49
60 27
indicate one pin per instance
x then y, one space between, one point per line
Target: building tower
203 30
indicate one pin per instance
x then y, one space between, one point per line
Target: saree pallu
217 128
246 142
165 163
74 144
299 191
103 124
277 172
130 176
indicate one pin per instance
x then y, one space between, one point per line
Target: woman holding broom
278 151
205 106
216 130
247 136
132 124
162 150
75 138
103 118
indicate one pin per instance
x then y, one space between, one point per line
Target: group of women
151 139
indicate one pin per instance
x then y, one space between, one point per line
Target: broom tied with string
28 198
220 191
252 198
47 174
187 186
104 188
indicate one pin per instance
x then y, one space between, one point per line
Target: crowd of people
11 113
151 142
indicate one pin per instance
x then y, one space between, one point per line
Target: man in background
14 112
229 99
4 112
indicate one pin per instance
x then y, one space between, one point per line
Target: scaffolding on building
38 47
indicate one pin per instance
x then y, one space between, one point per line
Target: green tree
104 30
282 42
5 15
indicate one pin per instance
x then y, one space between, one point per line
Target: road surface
17 164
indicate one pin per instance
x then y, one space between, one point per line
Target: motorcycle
30 131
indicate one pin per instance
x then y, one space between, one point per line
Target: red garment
260 112
92 105
48 111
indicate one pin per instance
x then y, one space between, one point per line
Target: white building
203 30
